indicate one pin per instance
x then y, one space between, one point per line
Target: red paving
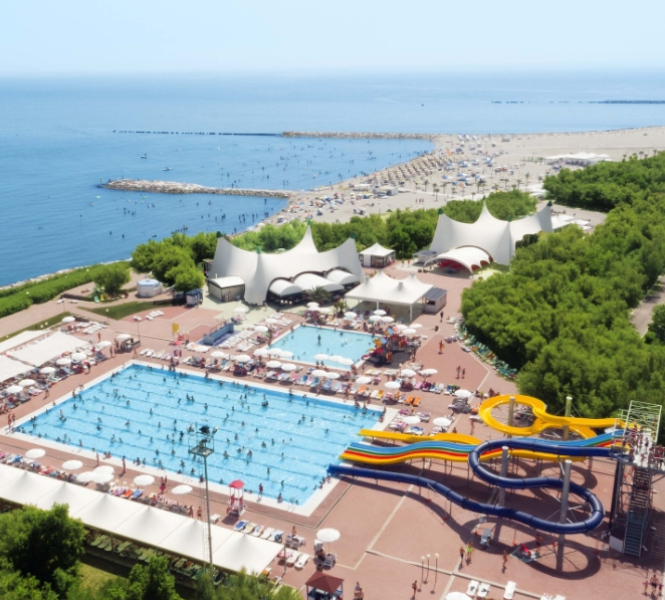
387 527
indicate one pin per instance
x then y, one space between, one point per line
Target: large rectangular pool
265 436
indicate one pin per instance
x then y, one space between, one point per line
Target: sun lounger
330 560
240 525
315 383
327 385
336 387
361 391
276 536
484 590
258 530
374 394
416 402
249 528
510 590
291 560
267 533
302 561
487 535
284 554
473 588
409 401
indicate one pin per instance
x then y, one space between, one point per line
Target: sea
61 137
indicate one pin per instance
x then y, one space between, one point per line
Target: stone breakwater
359 135
175 187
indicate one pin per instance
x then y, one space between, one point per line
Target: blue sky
162 36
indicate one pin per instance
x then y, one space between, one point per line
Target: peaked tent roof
325 583
243 551
258 270
377 250
470 257
382 288
496 237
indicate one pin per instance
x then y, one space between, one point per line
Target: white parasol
103 344
321 356
442 422
411 419
408 373
14 389
462 393
144 480
47 370
181 490
63 362
261 352
104 469
393 385
379 312
313 305
261 329
288 367
69 319
24 383
78 356
363 380
347 362
319 373
123 336
35 453
428 372
219 354
328 535
332 375
273 364
242 358
72 465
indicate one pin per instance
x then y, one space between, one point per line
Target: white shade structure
392 385
104 469
312 305
411 419
408 331
408 373
350 315
321 356
144 480
14 389
35 453
103 344
442 422
328 535
288 367
387 320
363 380
347 362
332 375
219 354
72 465
273 364
261 352
380 312
181 490
63 362
78 356
462 393
242 358
123 337
374 319
336 358
102 477
428 372
261 329
26 383
286 354
85 477
319 373
415 325
69 319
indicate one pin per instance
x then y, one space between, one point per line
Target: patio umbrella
144 480
363 380
286 354
415 325
181 490
274 352
321 356
237 484
35 453
123 336
243 358
69 319
261 329
260 352
273 364
103 344
239 309
462 393
347 362
408 373
72 465
325 310
374 319
24 383
104 469
328 535
399 328
47 370
319 373
350 315
85 477
219 354
312 305
288 367
78 356
411 419
442 422
379 312
102 477
336 358
428 372
387 320
63 362
393 385
14 389
457 596
408 331
332 375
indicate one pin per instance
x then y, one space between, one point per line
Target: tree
186 277
111 278
657 325
320 295
167 259
46 545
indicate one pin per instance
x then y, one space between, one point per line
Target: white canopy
497 238
226 282
257 270
377 250
246 551
22 338
310 281
342 277
48 348
469 257
283 287
11 368
75 496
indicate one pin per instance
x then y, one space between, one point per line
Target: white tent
74 496
27 487
22 338
107 512
243 551
283 287
310 281
48 348
377 256
381 288
11 368
470 257
258 270
497 238
342 277
188 538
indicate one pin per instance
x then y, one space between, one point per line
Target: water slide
491 448
544 420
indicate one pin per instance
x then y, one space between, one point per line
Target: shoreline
175 187
523 152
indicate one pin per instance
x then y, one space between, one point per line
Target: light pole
436 568
204 446
428 557
422 570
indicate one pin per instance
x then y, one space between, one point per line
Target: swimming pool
143 412
306 342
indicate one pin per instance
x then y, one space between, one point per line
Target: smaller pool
306 342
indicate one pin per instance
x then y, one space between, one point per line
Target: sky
82 37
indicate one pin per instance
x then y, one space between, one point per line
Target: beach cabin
148 288
226 289
434 300
377 256
194 297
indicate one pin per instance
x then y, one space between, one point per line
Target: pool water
306 342
143 412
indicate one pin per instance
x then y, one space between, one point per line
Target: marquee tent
21 339
470 257
310 281
258 269
386 290
242 549
342 277
11 368
49 348
377 256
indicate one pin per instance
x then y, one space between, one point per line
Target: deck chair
510 590
473 588
484 590
302 561
485 539
409 401
292 559
416 402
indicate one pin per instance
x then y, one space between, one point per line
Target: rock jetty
359 135
175 187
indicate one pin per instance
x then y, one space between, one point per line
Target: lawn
120 311
94 576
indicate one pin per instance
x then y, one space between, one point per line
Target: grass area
120 311
37 326
94 576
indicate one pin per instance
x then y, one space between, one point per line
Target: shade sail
47 349
247 552
310 281
387 290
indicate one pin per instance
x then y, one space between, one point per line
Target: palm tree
320 295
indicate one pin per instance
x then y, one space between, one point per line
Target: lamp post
422 569
204 446
436 568
428 557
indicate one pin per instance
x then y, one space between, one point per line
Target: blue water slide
588 524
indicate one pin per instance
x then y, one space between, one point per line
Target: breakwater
296 134
175 187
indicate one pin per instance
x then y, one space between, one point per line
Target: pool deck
387 527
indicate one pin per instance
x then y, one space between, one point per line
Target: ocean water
59 138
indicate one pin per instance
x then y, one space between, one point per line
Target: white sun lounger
510 590
473 588
484 590
291 560
302 561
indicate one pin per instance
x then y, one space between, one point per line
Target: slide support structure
504 473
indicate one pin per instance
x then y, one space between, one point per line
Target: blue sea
59 138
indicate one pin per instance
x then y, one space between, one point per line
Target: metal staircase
639 508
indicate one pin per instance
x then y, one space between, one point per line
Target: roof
225 282
496 237
11 368
382 288
150 282
325 583
283 287
258 270
468 256
435 293
310 281
377 250
22 338
342 277
49 348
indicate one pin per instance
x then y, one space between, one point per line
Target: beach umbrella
63 362
144 480
380 312
408 331
363 380
272 321
78 356
123 336
274 352
350 315
312 305
328 535
86 477
35 453
104 469
14 389
288 367
332 375
72 465
261 352
321 356
408 373
428 372
261 329
286 354
237 484
69 319
415 325
442 422
325 310
393 385
399 328
457 596
374 319
387 320
462 393
336 358
24 383
243 358
47 370
319 373
181 490
347 362
273 364
411 419
103 344
239 309
219 354
102 477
